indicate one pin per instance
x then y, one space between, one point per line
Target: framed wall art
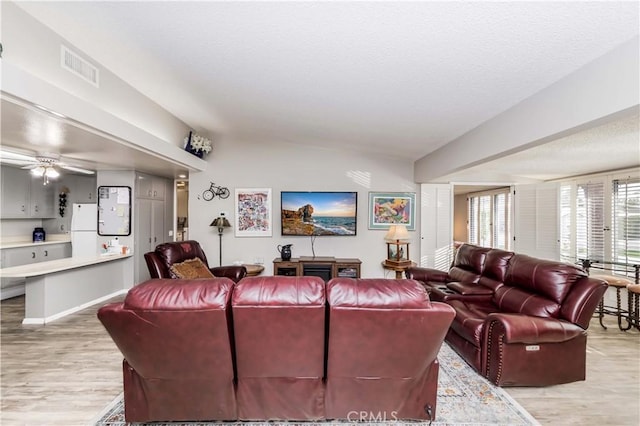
253 217
392 208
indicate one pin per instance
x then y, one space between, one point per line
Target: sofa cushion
515 300
169 294
549 279
190 269
377 293
470 257
495 268
470 318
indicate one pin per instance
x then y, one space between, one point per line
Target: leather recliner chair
384 338
160 260
279 329
176 341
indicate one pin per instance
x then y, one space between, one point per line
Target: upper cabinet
15 193
151 187
82 189
24 196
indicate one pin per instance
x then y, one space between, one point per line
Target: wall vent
72 62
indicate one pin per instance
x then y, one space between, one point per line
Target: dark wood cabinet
323 267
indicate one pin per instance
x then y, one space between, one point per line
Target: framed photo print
254 217
392 208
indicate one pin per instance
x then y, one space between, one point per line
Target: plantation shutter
625 221
590 221
500 220
567 252
436 226
472 233
484 221
536 220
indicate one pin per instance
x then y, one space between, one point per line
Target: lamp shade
221 222
397 233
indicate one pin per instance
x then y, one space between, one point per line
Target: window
590 221
489 219
625 220
600 219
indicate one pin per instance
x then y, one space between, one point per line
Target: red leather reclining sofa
520 321
278 348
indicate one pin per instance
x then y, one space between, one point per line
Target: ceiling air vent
72 62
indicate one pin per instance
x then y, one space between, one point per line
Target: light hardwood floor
66 372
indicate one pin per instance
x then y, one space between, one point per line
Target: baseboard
40 321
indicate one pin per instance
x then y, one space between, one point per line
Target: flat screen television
318 213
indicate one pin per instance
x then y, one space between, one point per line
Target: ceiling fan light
52 173
38 171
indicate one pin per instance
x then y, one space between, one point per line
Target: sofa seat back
384 337
494 270
536 287
174 335
166 254
279 328
468 263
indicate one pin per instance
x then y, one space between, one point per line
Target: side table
398 269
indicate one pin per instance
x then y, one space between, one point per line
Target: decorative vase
191 149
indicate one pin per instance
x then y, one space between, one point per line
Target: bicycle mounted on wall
213 190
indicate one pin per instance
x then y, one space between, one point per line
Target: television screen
319 213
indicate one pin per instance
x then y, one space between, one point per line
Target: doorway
182 209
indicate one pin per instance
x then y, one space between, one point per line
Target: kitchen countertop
51 266
14 242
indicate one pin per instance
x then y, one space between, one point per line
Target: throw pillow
191 269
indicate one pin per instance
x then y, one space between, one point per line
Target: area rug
464 399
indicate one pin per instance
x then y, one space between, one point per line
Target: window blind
625 210
590 221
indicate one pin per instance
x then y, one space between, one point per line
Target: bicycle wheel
208 195
223 193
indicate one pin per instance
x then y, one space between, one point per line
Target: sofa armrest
518 328
235 273
426 274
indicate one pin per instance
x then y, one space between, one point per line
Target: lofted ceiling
397 78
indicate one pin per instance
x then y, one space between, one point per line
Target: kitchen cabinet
41 199
150 231
24 196
153 218
82 189
150 187
15 193
11 287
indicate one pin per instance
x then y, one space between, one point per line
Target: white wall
284 167
605 89
460 218
33 47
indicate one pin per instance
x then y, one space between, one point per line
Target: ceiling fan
43 164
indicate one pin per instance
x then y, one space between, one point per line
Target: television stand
325 267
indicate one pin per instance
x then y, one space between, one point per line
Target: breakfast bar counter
60 287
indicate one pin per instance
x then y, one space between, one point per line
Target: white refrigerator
84 230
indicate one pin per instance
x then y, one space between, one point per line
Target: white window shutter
436 226
536 220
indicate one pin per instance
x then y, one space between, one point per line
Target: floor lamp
221 222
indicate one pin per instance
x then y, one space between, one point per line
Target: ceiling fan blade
15 162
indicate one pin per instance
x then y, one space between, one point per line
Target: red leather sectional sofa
520 321
278 348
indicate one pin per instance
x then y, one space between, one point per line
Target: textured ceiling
411 75
401 78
